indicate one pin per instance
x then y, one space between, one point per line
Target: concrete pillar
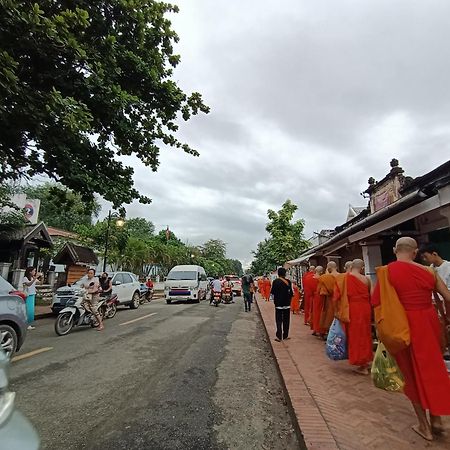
51 277
4 269
17 280
372 258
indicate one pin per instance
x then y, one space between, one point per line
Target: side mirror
117 283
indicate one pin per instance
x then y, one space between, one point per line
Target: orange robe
260 286
426 379
340 298
359 329
308 293
266 288
326 291
295 302
317 307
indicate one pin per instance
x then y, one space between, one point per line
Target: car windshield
5 287
182 275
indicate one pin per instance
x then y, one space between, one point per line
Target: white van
186 283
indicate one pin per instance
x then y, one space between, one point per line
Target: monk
317 304
266 287
260 285
348 266
327 282
359 328
427 383
308 293
295 303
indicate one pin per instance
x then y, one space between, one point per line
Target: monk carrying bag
386 374
336 348
390 317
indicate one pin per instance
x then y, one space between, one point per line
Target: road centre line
30 354
139 318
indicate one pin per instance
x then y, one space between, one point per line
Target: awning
296 262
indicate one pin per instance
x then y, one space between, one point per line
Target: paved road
182 376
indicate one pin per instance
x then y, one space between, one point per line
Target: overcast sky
308 100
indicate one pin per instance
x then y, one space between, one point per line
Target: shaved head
348 266
312 268
406 248
406 243
331 265
357 264
319 270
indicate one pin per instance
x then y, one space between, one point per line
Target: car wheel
168 302
135 301
8 339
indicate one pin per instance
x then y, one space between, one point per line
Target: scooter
75 314
111 306
227 295
217 298
147 296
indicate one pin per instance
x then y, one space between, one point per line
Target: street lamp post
119 223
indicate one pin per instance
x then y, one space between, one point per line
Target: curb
294 419
310 425
44 316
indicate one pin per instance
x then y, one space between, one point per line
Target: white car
125 285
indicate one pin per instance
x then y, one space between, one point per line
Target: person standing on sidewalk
308 293
248 287
427 384
282 295
29 288
359 328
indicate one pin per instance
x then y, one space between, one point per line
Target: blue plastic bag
336 347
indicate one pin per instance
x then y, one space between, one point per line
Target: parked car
236 285
187 282
13 318
16 432
125 284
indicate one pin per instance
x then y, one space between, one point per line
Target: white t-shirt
444 272
30 290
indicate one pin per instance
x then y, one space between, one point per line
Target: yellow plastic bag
386 374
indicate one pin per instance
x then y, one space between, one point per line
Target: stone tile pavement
336 408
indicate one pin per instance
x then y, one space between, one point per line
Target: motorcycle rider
216 287
106 285
227 287
92 286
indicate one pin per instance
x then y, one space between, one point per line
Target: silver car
16 432
13 318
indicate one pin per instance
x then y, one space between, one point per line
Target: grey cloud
308 101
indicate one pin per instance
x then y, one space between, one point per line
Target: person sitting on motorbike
227 287
90 303
106 285
149 283
216 287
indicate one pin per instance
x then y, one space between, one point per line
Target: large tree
83 83
285 241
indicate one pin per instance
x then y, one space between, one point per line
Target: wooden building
77 259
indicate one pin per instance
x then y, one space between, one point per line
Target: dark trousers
283 318
248 301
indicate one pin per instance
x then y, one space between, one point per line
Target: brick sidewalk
336 408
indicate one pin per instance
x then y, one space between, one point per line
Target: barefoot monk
427 383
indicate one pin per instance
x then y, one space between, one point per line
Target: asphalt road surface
180 376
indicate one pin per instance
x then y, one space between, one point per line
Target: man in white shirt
430 254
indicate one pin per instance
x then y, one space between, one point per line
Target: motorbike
146 296
217 298
75 313
227 295
111 304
